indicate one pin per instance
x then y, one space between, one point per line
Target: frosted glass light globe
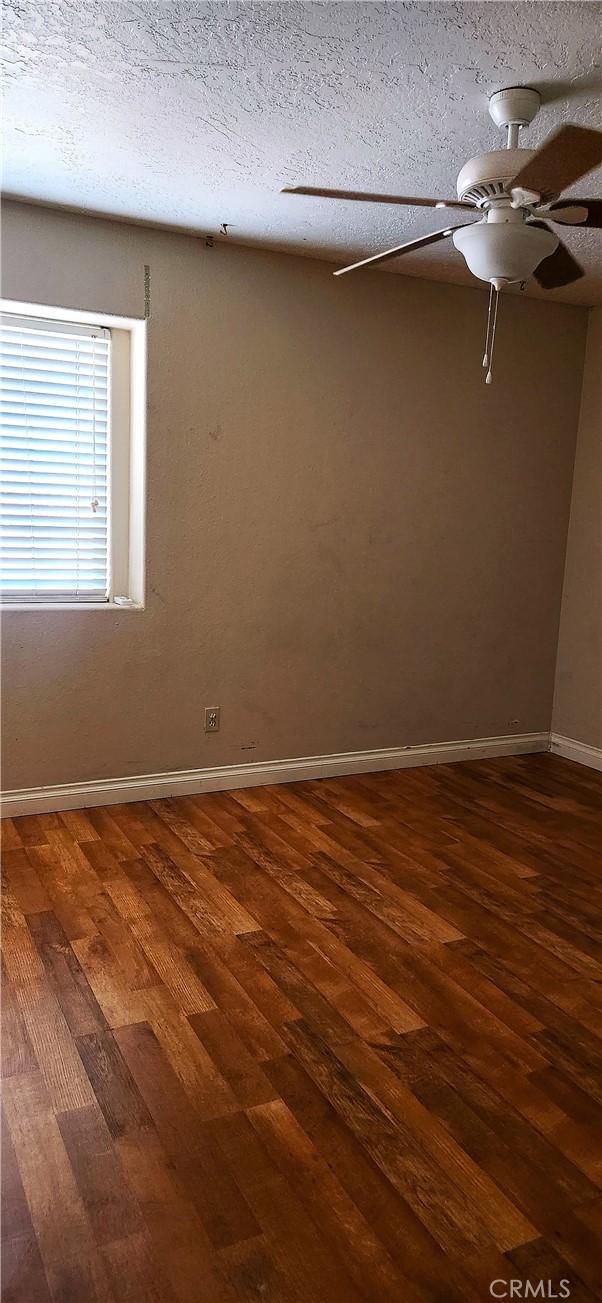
504 251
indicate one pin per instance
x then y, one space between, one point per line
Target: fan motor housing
488 176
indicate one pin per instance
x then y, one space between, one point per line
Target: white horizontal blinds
54 432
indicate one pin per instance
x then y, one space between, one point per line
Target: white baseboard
570 749
185 782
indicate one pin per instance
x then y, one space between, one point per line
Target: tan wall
352 542
578 696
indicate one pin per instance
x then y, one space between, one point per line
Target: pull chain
486 353
489 376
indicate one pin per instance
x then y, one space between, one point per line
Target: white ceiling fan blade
366 196
590 212
402 248
559 268
569 153
572 215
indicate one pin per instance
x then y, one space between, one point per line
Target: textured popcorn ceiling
196 114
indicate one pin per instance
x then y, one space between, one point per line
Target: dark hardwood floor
335 1042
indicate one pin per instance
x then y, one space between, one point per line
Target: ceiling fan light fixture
504 252
512 189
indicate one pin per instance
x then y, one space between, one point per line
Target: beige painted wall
352 541
578 696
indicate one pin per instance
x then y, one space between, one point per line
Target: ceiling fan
511 190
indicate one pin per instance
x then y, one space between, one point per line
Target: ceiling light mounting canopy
513 108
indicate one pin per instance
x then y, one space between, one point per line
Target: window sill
70 606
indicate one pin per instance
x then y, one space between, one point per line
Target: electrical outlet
212 719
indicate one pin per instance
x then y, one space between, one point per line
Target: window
71 459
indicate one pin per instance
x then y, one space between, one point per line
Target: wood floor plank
371 1266
194 1066
18 1058
230 1055
61 878
112 1210
25 883
114 1087
187 1140
118 1002
212 964
300 1256
549 1190
10 839
65 975
407 1239
21 960
391 1148
52 1043
23 1276
333 1042
15 1220
179 1239
133 1268
72 1263
506 1226
539 1260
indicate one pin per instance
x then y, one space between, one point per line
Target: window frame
127 459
